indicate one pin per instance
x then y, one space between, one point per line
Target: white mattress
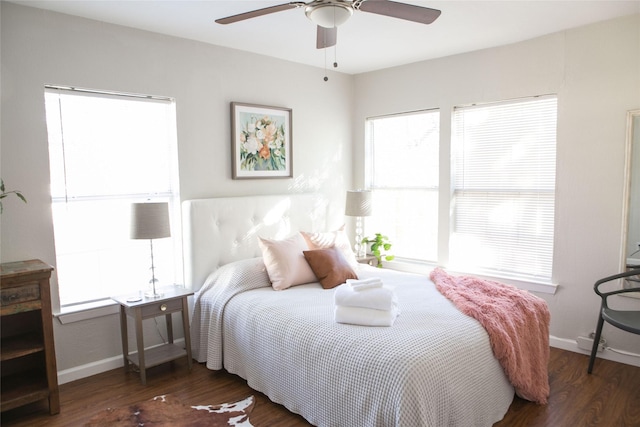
433 367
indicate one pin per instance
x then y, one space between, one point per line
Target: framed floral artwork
261 141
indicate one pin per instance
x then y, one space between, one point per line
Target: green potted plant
4 193
380 245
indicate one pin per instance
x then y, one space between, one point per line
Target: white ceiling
366 42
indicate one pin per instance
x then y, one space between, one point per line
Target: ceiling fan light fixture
329 15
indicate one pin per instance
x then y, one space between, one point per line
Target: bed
433 367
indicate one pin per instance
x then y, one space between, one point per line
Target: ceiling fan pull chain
325 65
335 56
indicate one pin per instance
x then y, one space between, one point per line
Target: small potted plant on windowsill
380 245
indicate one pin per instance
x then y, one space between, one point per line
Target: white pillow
285 262
329 239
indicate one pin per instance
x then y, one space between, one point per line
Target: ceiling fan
328 15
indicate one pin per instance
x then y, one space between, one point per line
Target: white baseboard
94 368
609 354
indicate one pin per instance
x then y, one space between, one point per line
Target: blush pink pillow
285 262
337 239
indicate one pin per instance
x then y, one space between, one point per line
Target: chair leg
596 341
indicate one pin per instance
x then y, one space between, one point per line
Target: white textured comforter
433 367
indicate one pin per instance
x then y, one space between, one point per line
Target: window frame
69 311
372 226
511 197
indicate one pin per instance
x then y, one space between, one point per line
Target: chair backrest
625 289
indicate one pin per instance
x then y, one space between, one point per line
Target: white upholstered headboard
222 230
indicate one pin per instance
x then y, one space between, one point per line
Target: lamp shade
329 15
358 203
150 220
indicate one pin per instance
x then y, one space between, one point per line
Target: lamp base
359 248
152 293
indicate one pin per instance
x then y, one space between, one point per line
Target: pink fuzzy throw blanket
517 323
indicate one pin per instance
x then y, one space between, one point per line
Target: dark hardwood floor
610 397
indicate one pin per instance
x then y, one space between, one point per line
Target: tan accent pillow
285 262
329 239
329 266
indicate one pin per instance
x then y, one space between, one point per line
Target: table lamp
359 205
150 221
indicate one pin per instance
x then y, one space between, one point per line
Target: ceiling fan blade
327 37
408 12
260 12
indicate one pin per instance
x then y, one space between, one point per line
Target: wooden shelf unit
27 351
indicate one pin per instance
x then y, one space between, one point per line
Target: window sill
425 268
92 310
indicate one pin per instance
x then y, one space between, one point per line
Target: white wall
40 47
595 70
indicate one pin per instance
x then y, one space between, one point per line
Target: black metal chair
628 320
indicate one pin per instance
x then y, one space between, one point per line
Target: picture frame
261 141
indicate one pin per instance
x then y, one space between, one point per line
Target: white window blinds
504 160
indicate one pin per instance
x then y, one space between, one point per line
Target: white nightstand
174 300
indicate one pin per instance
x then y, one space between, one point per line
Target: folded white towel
381 298
366 316
364 284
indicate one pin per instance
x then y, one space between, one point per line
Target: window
403 176
107 151
504 158
498 186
